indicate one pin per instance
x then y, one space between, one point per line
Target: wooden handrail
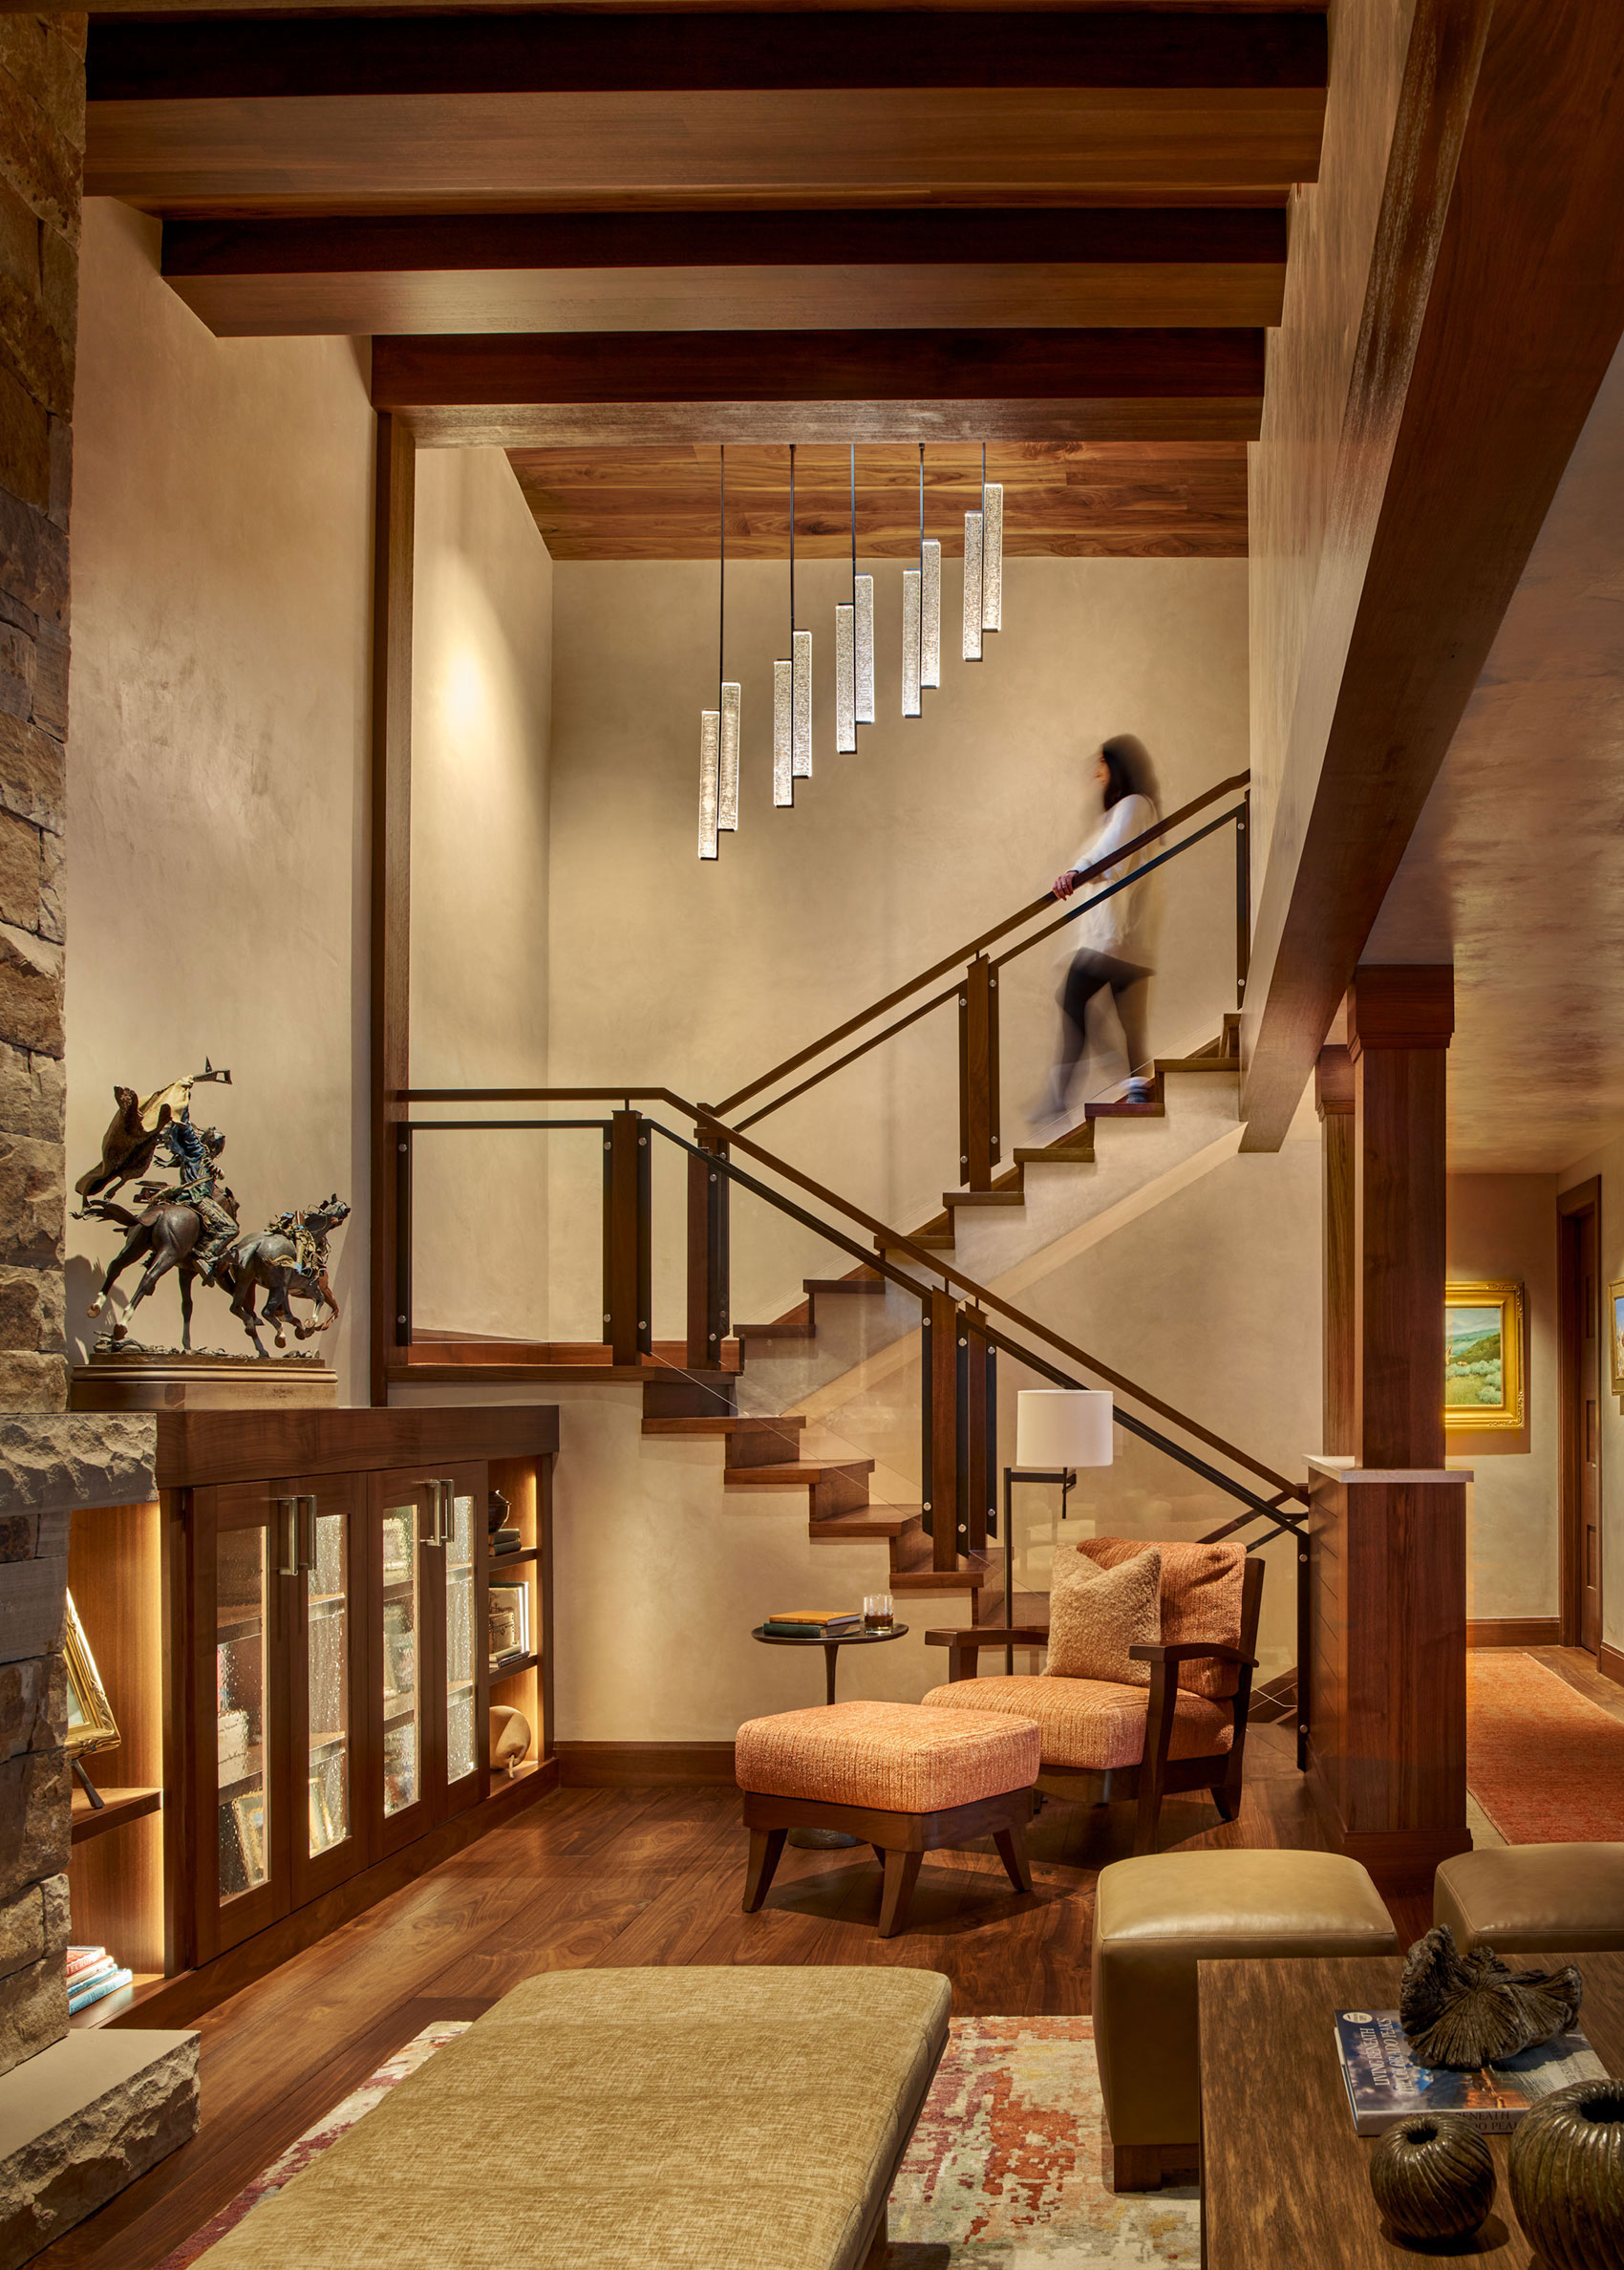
975 945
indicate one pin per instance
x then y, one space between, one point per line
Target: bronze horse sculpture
287 1261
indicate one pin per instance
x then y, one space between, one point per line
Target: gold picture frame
90 1724
1484 1358
1615 1332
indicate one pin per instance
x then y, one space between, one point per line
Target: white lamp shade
1063 1427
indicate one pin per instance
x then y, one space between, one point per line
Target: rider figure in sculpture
194 1153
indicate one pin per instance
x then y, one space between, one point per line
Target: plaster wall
700 976
480 719
216 885
1503 1225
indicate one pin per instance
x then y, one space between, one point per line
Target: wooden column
390 1071
1334 1098
708 1221
939 1461
979 1075
1387 1676
628 1275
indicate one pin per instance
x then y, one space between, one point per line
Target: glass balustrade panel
240 1679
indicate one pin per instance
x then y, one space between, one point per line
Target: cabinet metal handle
307 1532
288 1510
448 1513
436 1513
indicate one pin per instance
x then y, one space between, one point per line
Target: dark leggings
1089 972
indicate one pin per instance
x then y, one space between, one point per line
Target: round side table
827 1840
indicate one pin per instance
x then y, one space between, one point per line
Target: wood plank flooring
623 1877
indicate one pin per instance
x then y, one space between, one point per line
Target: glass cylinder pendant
973 587
727 797
709 766
846 679
800 700
910 702
931 614
864 585
783 734
993 555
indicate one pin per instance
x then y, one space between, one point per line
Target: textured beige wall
482 663
1503 1225
217 884
700 976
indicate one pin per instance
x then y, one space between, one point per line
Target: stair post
626 1275
1243 898
979 1075
978 1430
708 1296
939 1452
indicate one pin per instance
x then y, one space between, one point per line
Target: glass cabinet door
463 1517
241 1662
400 1689
328 1683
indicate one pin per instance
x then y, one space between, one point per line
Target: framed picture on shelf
1616 1333
510 1621
247 1811
1484 1344
90 1724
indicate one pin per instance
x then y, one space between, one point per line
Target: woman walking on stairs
1109 946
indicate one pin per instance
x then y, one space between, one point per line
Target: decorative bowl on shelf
1433 2178
1567 2176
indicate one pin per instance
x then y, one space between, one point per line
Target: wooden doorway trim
390 865
1579 1370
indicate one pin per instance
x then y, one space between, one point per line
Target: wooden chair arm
1191 1651
991 1636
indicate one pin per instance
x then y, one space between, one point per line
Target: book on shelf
84 1959
775 1630
1386 2082
80 1998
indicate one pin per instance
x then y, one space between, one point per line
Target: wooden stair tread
868 1286
870 1521
929 1580
797 1476
993 1198
725 1423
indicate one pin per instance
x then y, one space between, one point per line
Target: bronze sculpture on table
289 1261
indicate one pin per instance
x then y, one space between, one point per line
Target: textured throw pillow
1095 1615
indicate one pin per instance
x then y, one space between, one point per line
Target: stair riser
760 1447
838 1494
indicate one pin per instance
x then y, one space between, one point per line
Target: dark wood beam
790 271
773 386
157 60
1494 307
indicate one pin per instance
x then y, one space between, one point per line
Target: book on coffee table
1386 2082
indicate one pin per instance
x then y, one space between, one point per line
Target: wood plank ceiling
609 240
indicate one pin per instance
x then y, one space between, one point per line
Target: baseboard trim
628 1764
1516 1630
1609 1662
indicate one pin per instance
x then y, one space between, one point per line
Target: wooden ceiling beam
786 271
283 57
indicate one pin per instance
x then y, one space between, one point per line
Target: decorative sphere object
1462 2011
510 1736
1433 2177
1567 2176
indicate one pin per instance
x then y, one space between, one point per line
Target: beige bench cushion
1534 1898
894 1757
1089 1723
671 2119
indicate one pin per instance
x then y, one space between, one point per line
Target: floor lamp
1057 1429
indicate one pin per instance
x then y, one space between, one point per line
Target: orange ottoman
895 1775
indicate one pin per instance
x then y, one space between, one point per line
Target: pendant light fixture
991 549
845 645
784 683
929 596
912 627
862 600
973 529
727 792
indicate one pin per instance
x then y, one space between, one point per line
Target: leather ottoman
1534 1898
894 1775
1154 1920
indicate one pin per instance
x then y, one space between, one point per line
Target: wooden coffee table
1285 2180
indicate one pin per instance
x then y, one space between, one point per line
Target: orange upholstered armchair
1105 1742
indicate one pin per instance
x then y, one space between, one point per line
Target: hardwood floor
619 1876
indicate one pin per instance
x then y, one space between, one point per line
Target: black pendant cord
922 519
984 496
854 524
721 590
792 549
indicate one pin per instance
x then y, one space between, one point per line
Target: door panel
1582 1386
243 1842
400 1801
467 1678
328 1683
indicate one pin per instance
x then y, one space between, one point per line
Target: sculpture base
169 1380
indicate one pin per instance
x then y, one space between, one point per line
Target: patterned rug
1004 2168
1545 1763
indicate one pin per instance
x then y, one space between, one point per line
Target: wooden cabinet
314 1638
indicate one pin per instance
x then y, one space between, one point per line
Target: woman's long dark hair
1127 762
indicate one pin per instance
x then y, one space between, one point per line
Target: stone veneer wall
42 118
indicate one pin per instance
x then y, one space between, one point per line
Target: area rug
1005 2167
1006 2164
1545 1763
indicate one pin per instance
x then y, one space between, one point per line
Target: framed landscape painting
1483 1345
1615 1332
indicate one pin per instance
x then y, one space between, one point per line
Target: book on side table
1386 2084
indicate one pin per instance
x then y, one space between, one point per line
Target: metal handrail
886 1241
977 945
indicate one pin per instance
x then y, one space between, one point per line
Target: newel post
708 1219
626 1272
979 1075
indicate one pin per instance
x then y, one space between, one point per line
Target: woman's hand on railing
1066 885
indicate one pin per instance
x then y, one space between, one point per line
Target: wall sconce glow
800 700
709 773
727 798
864 704
931 612
973 587
783 735
846 678
991 554
910 702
